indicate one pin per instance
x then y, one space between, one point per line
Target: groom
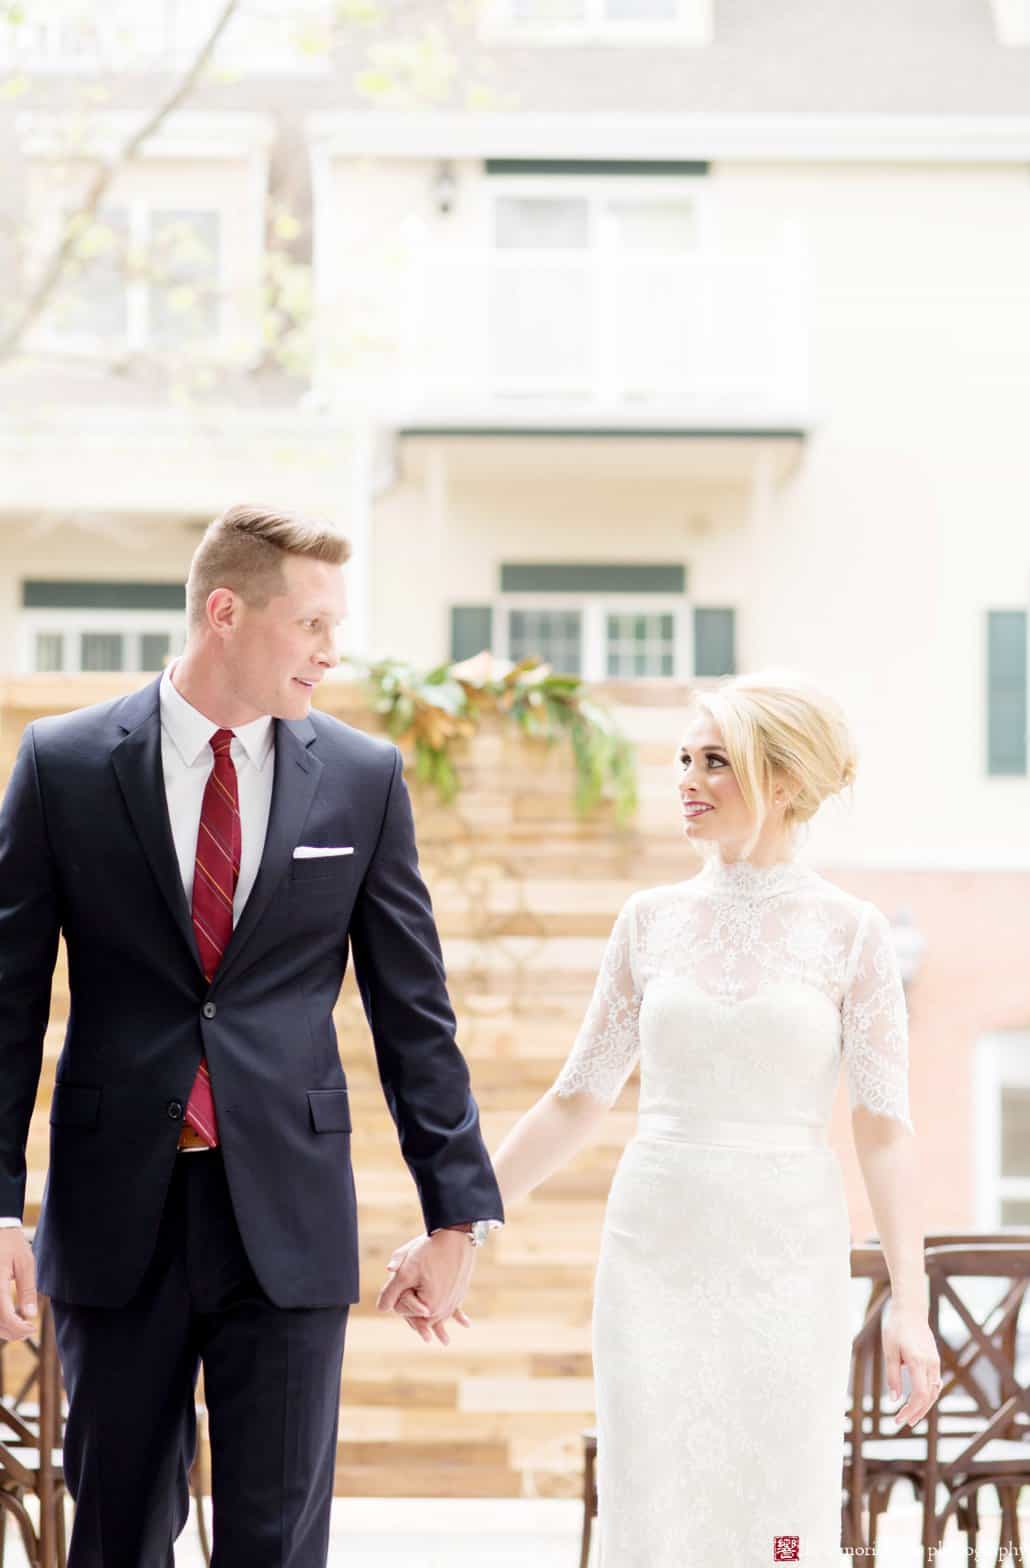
210 846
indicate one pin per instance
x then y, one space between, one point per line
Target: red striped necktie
215 875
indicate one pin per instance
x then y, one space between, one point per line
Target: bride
721 1324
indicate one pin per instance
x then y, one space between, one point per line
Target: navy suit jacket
86 848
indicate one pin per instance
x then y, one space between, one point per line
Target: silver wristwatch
476 1230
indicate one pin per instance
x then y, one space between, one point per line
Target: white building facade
704 346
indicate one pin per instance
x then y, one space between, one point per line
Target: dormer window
599 21
147 35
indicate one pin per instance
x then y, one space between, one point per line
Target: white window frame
131 625
48 337
600 253
594 609
599 191
692 27
1000 1060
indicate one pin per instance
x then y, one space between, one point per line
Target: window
69 41
541 223
182 275
1012 21
556 636
72 627
590 289
101 651
95 301
49 653
610 21
155 649
1007 681
1002 1131
171 296
615 637
1015 1153
540 318
598 620
166 35
91 643
641 644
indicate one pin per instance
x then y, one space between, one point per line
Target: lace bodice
741 991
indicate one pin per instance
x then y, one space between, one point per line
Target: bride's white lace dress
721 1313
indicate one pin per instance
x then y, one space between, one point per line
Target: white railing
125 35
709 337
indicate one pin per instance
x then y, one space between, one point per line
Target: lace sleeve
607 1045
875 1022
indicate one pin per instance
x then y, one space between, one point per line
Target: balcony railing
163 35
711 338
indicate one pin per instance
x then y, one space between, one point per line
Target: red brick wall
974 979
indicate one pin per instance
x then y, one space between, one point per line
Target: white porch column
436 481
357 526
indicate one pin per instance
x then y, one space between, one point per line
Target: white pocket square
315 851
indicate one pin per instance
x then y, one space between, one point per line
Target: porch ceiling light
445 187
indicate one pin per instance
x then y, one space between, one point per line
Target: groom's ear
225 610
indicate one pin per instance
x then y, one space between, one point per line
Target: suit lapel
137 763
297 772
136 760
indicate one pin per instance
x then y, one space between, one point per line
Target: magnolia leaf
434 709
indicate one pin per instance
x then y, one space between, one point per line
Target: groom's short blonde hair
243 549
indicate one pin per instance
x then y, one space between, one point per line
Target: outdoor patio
380 1532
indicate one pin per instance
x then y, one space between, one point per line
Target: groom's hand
430 1276
17 1264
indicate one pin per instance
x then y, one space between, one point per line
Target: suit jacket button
175 1110
209 1009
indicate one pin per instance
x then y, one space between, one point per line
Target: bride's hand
908 1341
426 1327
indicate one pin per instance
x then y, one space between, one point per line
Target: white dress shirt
187 760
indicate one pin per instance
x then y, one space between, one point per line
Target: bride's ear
784 791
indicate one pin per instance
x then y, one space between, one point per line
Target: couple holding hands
213 848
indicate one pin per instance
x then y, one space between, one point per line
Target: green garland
443 705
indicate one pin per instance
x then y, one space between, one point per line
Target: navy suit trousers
271 1386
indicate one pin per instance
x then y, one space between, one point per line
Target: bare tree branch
54 269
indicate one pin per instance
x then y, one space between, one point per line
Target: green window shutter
472 630
715 642
1006 691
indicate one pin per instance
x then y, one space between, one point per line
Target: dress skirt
721 1342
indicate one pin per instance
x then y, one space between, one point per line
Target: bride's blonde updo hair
780 728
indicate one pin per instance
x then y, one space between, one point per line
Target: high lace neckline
743 879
